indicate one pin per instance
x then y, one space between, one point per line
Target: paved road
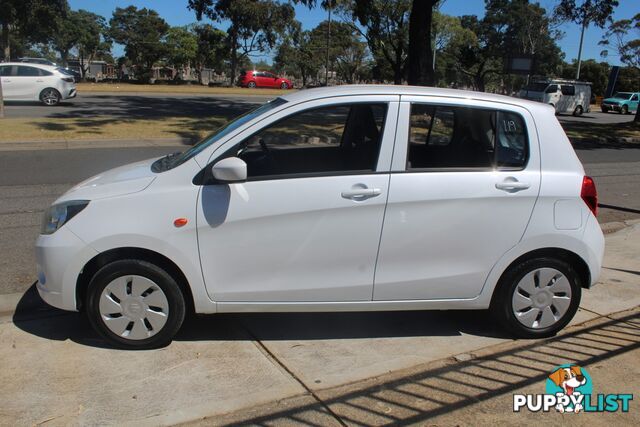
31 180
142 105
138 106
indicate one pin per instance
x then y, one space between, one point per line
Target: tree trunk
233 34
397 68
5 42
420 53
1 100
635 119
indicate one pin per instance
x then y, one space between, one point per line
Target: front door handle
361 193
512 185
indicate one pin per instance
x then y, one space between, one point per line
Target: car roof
31 64
346 90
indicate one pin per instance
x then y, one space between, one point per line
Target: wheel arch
573 259
116 254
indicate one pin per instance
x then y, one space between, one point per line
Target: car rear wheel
283 85
251 85
134 304
624 110
578 111
537 298
50 97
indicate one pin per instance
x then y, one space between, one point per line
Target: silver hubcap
541 298
50 97
134 307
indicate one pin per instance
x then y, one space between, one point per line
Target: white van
566 96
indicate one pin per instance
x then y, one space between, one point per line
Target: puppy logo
571 381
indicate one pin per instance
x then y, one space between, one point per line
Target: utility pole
584 26
326 66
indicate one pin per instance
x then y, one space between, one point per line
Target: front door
460 196
8 85
306 224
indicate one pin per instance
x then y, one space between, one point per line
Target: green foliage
586 12
182 47
591 71
624 37
83 31
29 21
211 49
142 32
628 80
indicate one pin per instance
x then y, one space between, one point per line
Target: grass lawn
191 89
595 132
25 129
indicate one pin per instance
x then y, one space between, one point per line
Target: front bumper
610 107
60 258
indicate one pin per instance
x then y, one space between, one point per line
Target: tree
182 47
296 55
384 24
420 64
624 36
592 71
210 48
83 31
583 13
255 25
28 20
142 32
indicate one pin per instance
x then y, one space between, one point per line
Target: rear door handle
512 185
361 193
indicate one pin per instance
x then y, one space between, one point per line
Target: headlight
57 215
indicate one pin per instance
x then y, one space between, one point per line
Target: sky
175 12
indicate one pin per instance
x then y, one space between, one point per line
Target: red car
263 79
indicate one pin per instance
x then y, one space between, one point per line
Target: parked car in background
566 96
353 198
41 61
33 82
622 102
255 79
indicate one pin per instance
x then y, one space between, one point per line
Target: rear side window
443 137
24 71
45 72
568 90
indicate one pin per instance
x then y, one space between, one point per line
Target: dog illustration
569 379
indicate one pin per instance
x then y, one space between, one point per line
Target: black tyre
50 97
604 110
624 110
537 298
134 304
283 85
251 85
578 111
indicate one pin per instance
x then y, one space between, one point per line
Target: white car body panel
296 245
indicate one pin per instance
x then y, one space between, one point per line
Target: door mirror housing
229 170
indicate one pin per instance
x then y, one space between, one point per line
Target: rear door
464 180
8 87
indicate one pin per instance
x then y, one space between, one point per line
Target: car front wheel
537 298
283 85
624 110
50 97
134 304
251 85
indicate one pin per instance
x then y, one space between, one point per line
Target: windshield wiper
164 163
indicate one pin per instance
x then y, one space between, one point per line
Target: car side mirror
229 170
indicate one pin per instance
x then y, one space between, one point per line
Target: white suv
333 199
36 82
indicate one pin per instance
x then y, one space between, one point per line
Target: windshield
535 87
176 159
622 95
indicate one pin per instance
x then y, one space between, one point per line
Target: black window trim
204 177
492 168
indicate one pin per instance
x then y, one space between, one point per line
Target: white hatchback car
335 199
36 82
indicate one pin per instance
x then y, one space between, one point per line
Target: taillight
68 79
589 194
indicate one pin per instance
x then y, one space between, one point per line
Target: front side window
444 137
552 89
634 98
326 140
